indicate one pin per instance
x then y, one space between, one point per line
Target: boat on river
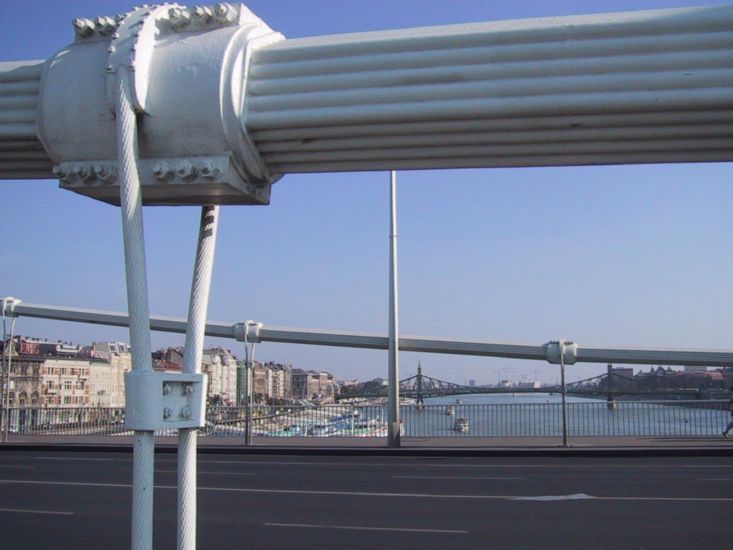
461 425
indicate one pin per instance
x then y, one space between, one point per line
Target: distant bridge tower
418 385
610 401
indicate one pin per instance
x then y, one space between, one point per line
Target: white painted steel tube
137 303
393 401
601 89
450 346
187 437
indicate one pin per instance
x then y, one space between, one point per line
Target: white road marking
361 493
78 458
458 477
550 498
209 473
356 528
46 512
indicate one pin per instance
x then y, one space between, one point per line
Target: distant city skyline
614 256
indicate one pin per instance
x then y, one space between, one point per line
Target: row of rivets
182 18
185 169
85 172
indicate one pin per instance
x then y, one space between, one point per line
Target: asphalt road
82 500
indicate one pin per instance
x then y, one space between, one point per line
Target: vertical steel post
249 357
248 424
563 391
393 401
8 303
193 351
137 305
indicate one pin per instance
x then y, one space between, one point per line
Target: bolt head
167 412
185 169
207 169
82 171
202 13
161 170
224 12
83 27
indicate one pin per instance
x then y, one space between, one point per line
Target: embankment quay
54 499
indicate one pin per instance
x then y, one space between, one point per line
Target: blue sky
635 255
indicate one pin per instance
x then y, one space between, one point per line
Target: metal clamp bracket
248 331
162 400
8 307
570 352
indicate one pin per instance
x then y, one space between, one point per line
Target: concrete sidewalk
712 446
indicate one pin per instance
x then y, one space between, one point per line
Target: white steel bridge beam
635 87
574 353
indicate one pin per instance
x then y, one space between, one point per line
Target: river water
522 414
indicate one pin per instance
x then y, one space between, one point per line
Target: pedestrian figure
729 427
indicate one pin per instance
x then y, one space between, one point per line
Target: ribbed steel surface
22 155
615 88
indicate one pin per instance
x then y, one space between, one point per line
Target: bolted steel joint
202 14
105 25
83 27
207 169
185 169
62 173
180 18
167 412
186 412
162 171
166 389
188 389
105 172
225 13
83 172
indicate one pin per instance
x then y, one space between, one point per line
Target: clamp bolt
105 172
82 171
161 170
105 25
208 169
83 27
185 169
225 13
202 13
179 17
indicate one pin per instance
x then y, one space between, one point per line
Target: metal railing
587 419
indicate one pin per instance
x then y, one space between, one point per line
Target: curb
397 452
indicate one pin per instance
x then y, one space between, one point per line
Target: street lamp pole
393 402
